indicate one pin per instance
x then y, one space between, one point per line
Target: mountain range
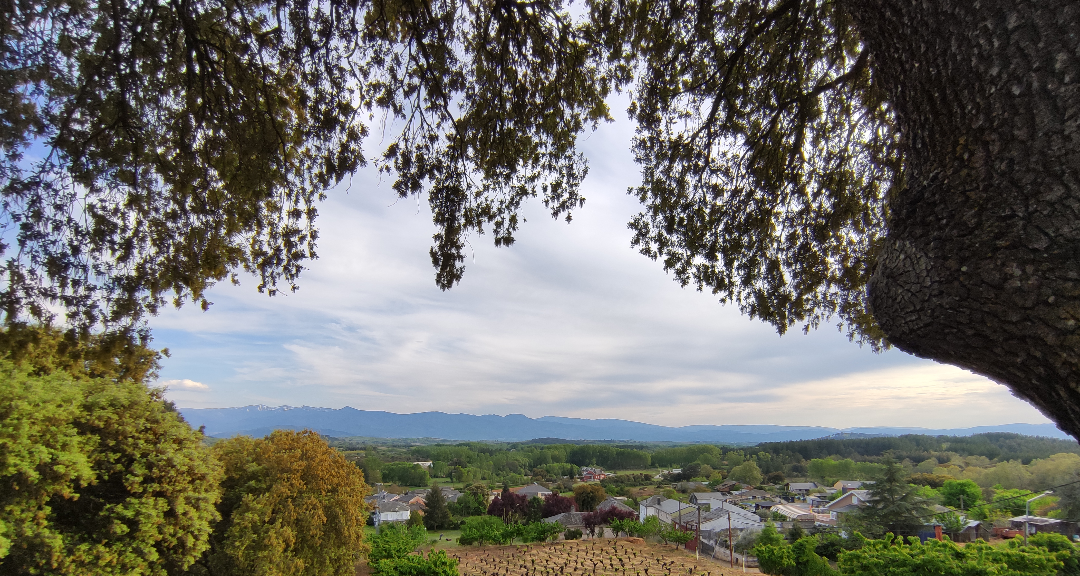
346 422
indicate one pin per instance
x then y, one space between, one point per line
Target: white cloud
568 321
183 384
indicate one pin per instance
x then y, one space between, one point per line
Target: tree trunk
981 265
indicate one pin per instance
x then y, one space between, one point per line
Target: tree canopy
99 477
291 506
810 161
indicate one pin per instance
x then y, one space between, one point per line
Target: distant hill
345 422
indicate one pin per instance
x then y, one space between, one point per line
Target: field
599 557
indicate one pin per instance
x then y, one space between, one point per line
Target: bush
573 534
798 559
541 531
482 530
437 563
891 556
395 541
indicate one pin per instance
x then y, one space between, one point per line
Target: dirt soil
596 557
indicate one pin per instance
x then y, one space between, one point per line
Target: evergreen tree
437 516
894 506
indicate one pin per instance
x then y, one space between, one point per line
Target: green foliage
573 534
541 531
930 480
746 473
482 530
405 474
394 540
98 477
1012 502
894 557
437 516
1063 549
951 523
831 545
675 535
588 496
829 469
894 506
292 506
118 355
736 180
200 141
437 563
957 492
798 559
468 504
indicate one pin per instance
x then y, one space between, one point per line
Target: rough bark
981 266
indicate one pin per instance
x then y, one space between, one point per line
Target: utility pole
1027 512
730 543
697 545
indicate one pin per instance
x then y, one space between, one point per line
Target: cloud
183 384
569 321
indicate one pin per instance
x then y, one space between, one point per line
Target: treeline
1000 446
848 459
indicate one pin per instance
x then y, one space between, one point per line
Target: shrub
437 563
396 541
573 534
798 559
891 556
482 530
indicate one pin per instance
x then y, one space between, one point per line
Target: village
720 514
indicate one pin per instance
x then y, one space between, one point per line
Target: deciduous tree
906 169
292 506
588 496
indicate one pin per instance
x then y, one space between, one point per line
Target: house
1037 524
801 488
727 486
382 496
613 503
740 519
750 495
707 497
846 486
568 519
449 494
426 465
533 490
846 504
820 500
973 531
663 508
767 505
796 513
390 511
590 474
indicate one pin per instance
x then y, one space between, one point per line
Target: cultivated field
599 557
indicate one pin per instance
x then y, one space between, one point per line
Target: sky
569 321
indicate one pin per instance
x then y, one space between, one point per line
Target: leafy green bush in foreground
392 554
1047 555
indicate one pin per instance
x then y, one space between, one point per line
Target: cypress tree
437 516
